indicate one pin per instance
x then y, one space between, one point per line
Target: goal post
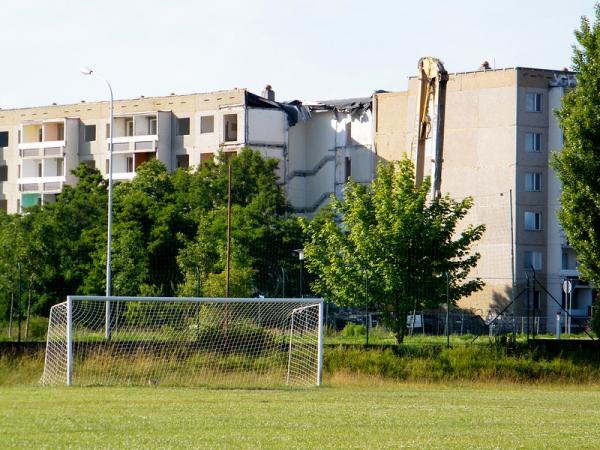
185 341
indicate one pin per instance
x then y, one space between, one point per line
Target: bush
38 327
595 322
236 337
353 330
476 363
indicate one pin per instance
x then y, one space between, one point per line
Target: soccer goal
185 341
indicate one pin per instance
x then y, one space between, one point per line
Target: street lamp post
87 71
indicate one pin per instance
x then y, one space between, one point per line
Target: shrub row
469 363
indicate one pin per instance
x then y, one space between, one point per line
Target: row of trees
169 236
169 239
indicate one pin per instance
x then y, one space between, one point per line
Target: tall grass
468 363
343 365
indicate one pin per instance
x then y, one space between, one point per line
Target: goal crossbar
248 334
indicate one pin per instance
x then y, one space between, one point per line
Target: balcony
126 164
135 144
45 139
50 149
49 185
41 175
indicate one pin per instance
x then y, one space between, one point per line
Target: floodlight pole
86 71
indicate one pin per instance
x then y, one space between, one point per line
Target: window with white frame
152 125
533 221
532 259
129 127
129 163
533 102
533 142
533 181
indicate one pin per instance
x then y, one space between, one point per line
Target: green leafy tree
264 235
391 236
578 164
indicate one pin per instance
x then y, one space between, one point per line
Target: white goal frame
303 303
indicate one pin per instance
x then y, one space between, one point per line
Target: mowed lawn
359 416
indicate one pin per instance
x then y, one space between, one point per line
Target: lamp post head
86 70
300 253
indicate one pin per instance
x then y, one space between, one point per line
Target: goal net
184 341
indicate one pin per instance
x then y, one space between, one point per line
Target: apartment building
331 142
500 132
319 144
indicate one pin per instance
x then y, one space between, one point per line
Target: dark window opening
207 124
347 168
3 138
90 133
230 123
183 161
183 126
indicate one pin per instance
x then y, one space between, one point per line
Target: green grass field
346 413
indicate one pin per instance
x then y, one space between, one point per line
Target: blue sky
306 49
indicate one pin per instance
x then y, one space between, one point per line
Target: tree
578 164
263 234
390 235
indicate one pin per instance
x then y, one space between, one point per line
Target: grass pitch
347 412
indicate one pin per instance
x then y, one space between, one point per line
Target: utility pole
367 303
527 305
19 301
447 310
228 268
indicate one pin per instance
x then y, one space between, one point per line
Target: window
129 127
60 164
207 124
129 162
533 221
183 161
349 133
3 138
152 125
3 173
183 126
108 130
206 157
40 134
19 171
533 102
230 123
107 166
569 260
3 205
533 181
347 168
229 155
60 132
533 142
532 259
91 163
39 169
89 133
